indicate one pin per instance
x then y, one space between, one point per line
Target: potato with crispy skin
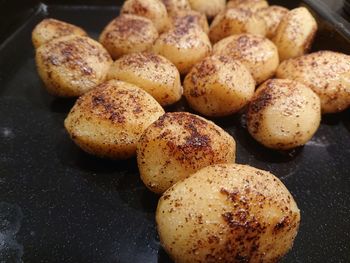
257 53
228 213
190 18
209 8
72 65
179 144
327 73
109 120
128 34
283 114
151 72
175 6
272 16
252 5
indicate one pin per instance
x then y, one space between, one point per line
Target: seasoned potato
50 29
252 5
183 46
327 73
72 65
228 213
209 8
283 114
218 86
179 144
153 73
190 18
295 33
154 10
272 16
236 21
257 53
109 120
128 34
174 6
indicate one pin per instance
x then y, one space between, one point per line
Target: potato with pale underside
295 33
128 34
154 10
184 46
151 72
209 8
283 114
257 53
327 73
109 120
179 144
252 5
228 213
50 29
272 16
190 18
72 65
175 6
218 86
236 21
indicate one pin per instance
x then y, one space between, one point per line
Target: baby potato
218 86
153 73
190 18
252 5
109 120
174 6
179 144
257 53
295 33
154 10
183 46
228 213
284 114
50 29
327 73
128 34
272 16
71 65
209 8
236 21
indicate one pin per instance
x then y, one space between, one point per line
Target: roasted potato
151 72
326 72
209 8
295 33
252 5
174 6
190 18
284 114
72 65
272 16
228 213
109 120
179 144
154 10
257 53
236 21
50 29
183 46
128 34
218 86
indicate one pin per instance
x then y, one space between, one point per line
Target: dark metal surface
58 204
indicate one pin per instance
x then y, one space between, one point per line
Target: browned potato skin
209 8
257 53
175 6
272 16
109 120
327 73
50 29
252 5
283 114
179 144
190 18
228 213
72 65
128 34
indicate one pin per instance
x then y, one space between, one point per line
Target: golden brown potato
236 21
153 73
72 65
179 144
190 18
183 46
209 8
228 213
272 16
50 29
109 120
257 53
175 6
128 34
326 72
295 33
154 10
284 114
218 86
252 5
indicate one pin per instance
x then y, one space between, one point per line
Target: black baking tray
58 204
